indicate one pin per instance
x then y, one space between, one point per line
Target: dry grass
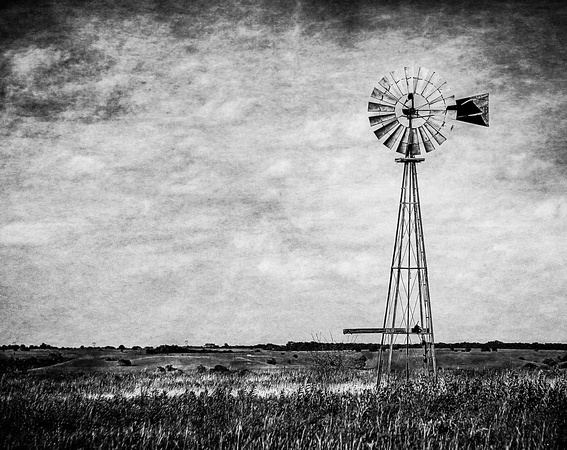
283 409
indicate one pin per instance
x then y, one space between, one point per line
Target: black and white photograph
283 224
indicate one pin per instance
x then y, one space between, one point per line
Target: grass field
283 405
283 409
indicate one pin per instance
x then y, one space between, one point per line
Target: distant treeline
490 345
181 349
23 347
311 346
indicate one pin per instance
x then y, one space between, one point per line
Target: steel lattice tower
408 306
410 112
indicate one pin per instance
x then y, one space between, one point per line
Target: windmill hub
414 109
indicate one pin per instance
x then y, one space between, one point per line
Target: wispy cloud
206 171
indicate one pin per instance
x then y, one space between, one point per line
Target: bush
219 368
360 362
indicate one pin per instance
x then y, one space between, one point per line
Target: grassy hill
249 358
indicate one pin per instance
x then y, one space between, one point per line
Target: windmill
410 112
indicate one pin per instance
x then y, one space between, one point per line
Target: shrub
219 368
549 361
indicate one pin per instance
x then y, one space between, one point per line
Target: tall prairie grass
283 409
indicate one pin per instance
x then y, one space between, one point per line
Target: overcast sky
196 171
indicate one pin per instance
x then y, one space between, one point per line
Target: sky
197 171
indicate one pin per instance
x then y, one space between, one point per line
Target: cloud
36 233
79 165
26 63
212 169
279 169
551 209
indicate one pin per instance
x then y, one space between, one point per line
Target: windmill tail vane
411 112
472 109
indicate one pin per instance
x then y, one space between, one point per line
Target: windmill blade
384 124
430 84
435 123
442 102
473 110
415 146
403 145
385 82
409 144
437 97
418 81
380 107
408 76
427 143
377 120
385 128
435 132
430 113
393 139
398 85
388 82
384 96
449 100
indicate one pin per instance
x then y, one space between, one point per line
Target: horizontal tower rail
385 330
